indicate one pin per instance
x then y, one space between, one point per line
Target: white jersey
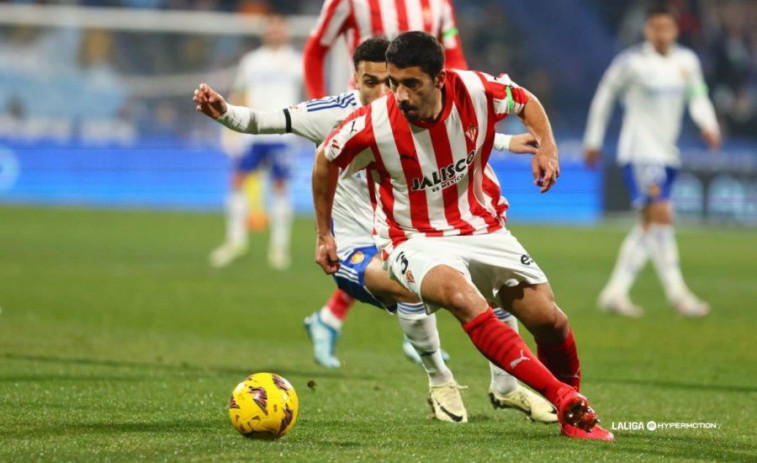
352 213
653 89
270 78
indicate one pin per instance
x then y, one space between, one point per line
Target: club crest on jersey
445 176
471 132
357 258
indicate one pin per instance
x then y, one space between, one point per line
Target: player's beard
410 112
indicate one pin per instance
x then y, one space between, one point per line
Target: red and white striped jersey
358 20
432 179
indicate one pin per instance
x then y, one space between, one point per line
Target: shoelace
445 390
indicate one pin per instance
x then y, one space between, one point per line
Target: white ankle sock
422 333
664 250
281 223
330 319
502 382
633 254
236 217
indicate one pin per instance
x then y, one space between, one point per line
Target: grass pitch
119 343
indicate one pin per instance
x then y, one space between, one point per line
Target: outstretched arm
325 177
522 143
238 118
209 102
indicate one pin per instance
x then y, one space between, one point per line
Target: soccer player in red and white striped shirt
440 219
357 20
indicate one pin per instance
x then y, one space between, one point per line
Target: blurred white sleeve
600 111
700 106
245 120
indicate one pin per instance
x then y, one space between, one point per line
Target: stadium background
98 113
118 342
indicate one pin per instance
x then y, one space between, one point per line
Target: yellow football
263 406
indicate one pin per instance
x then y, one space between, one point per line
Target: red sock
340 304
506 349
562 360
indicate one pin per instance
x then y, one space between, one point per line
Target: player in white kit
654 80
268 78
361 274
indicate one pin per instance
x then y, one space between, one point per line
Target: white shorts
488 262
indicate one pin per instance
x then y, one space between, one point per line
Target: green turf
119 343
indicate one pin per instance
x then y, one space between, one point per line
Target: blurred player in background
440 218
355 21
268 78
362 275
654 81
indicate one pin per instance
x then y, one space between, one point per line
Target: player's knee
559 318
457 300
463 302
552 327
548 322
560 323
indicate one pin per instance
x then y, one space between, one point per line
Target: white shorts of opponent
488 262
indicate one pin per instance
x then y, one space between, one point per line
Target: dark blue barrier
576 198
194 178
139 177
715 187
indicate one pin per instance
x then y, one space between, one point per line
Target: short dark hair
416 49
372 50
660 9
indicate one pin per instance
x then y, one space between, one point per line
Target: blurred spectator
39 67
101 92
